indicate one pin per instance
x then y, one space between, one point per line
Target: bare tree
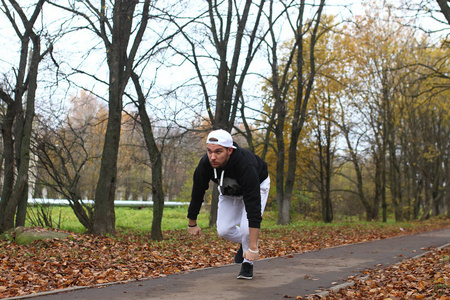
231 29
155 158
114 26
18 121
67 152
428 8
445 9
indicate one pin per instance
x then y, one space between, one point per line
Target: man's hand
249 255
193 227
194 230
252 252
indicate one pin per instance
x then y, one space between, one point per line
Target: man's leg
229 214
247 266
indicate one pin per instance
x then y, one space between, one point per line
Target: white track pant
232 222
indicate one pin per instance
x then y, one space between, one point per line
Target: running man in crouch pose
243 182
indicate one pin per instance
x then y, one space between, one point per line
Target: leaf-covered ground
426 277
85 260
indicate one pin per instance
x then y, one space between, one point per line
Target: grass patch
127 218
175 218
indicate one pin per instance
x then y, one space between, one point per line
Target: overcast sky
71 49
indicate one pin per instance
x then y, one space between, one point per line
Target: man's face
218 155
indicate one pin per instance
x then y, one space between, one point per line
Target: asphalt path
274 278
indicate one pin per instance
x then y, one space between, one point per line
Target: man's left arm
253 252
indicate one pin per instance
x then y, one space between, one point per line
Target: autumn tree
68 152
322 137
433 18
113 24
291 90
374 91
427 123
387 81
19 96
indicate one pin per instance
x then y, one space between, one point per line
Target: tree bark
445 9
327 206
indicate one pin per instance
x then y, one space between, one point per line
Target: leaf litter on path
87 260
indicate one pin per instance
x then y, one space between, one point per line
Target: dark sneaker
246 271
239 258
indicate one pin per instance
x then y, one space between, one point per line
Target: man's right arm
199 186
193 227
200 183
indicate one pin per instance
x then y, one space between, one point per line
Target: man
244 182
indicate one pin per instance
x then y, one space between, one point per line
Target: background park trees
292 81
348 111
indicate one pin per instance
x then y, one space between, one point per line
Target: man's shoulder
250 156
204 164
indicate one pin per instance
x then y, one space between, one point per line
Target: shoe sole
244 277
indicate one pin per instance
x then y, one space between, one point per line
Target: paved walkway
274 278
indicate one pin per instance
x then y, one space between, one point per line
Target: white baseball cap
220 137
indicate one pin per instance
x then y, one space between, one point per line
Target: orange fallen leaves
425 277
85 260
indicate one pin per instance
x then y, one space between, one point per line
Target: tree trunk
26 131
158 195
21 214
283 203
86 219
447 195
9 172
327 207
214 206
104 215
156 162
395 180
119 74
427 205
447 186
378 184
17 150
383 186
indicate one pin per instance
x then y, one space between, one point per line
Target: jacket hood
232 161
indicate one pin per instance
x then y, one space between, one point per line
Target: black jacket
242 176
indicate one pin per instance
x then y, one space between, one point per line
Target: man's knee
224 231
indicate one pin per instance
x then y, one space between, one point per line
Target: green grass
126 218
176 218
140 219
